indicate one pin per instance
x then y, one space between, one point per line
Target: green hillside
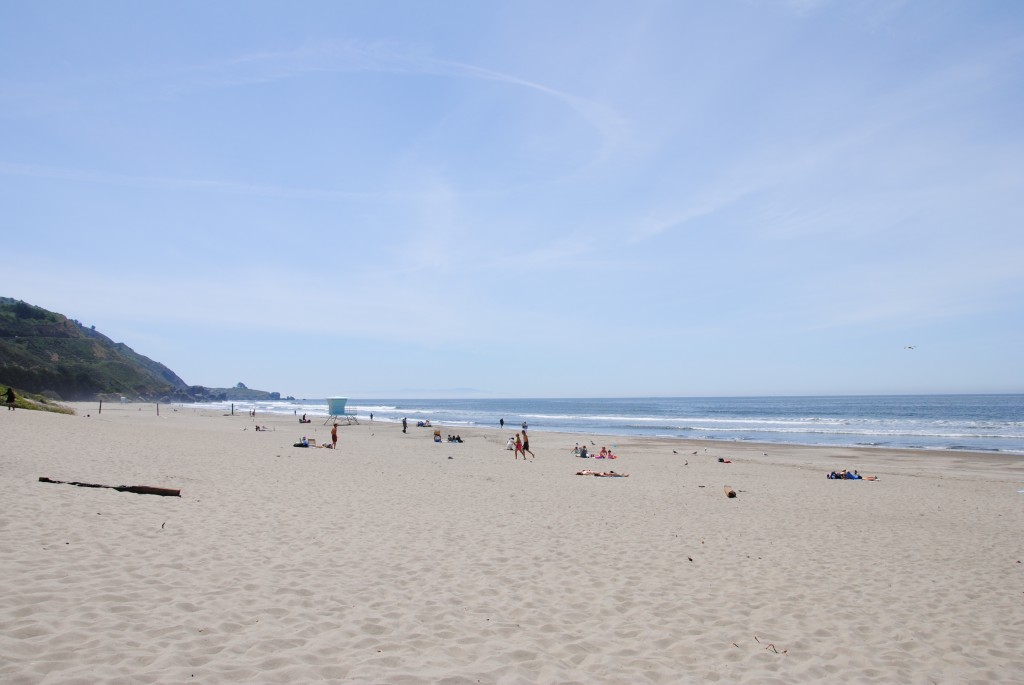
47 353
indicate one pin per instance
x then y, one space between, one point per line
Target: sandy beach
397 560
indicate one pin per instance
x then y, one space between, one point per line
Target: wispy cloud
382 57
192 184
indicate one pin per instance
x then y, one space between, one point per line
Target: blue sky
526 199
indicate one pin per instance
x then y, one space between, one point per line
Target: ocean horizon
974 422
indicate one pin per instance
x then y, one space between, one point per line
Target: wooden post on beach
158 409
101 408
232 408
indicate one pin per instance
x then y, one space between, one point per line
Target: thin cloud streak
192 184
342 57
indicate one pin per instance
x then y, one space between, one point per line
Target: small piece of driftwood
729 492
137 489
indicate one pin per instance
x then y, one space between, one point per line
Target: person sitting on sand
511 444
603 454
583 452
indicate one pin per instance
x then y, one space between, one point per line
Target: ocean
983 423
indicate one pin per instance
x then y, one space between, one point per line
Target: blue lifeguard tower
336 411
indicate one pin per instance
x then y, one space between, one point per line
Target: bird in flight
910 347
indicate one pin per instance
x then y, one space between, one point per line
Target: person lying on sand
849 475
602 474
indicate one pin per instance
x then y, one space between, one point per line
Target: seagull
910 347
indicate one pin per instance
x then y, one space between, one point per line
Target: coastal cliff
48 353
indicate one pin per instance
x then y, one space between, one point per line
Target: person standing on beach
405 424
502 423
334 436
9 398
519 447
526 446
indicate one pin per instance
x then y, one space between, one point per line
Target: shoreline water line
974 423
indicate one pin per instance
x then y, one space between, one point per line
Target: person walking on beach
334 436
519 447
405 424
526 446
9 398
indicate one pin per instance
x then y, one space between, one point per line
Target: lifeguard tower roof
336 405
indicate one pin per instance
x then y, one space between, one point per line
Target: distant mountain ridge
46 352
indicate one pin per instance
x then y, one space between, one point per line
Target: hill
48 353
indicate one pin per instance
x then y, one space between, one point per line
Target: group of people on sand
848 475
602 474
306 442
520 443
582 452
451 438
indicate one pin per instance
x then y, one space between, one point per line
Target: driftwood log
137 489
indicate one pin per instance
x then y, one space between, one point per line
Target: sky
525 199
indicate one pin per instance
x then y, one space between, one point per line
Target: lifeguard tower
336 411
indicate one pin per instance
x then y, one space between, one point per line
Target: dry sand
397 560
